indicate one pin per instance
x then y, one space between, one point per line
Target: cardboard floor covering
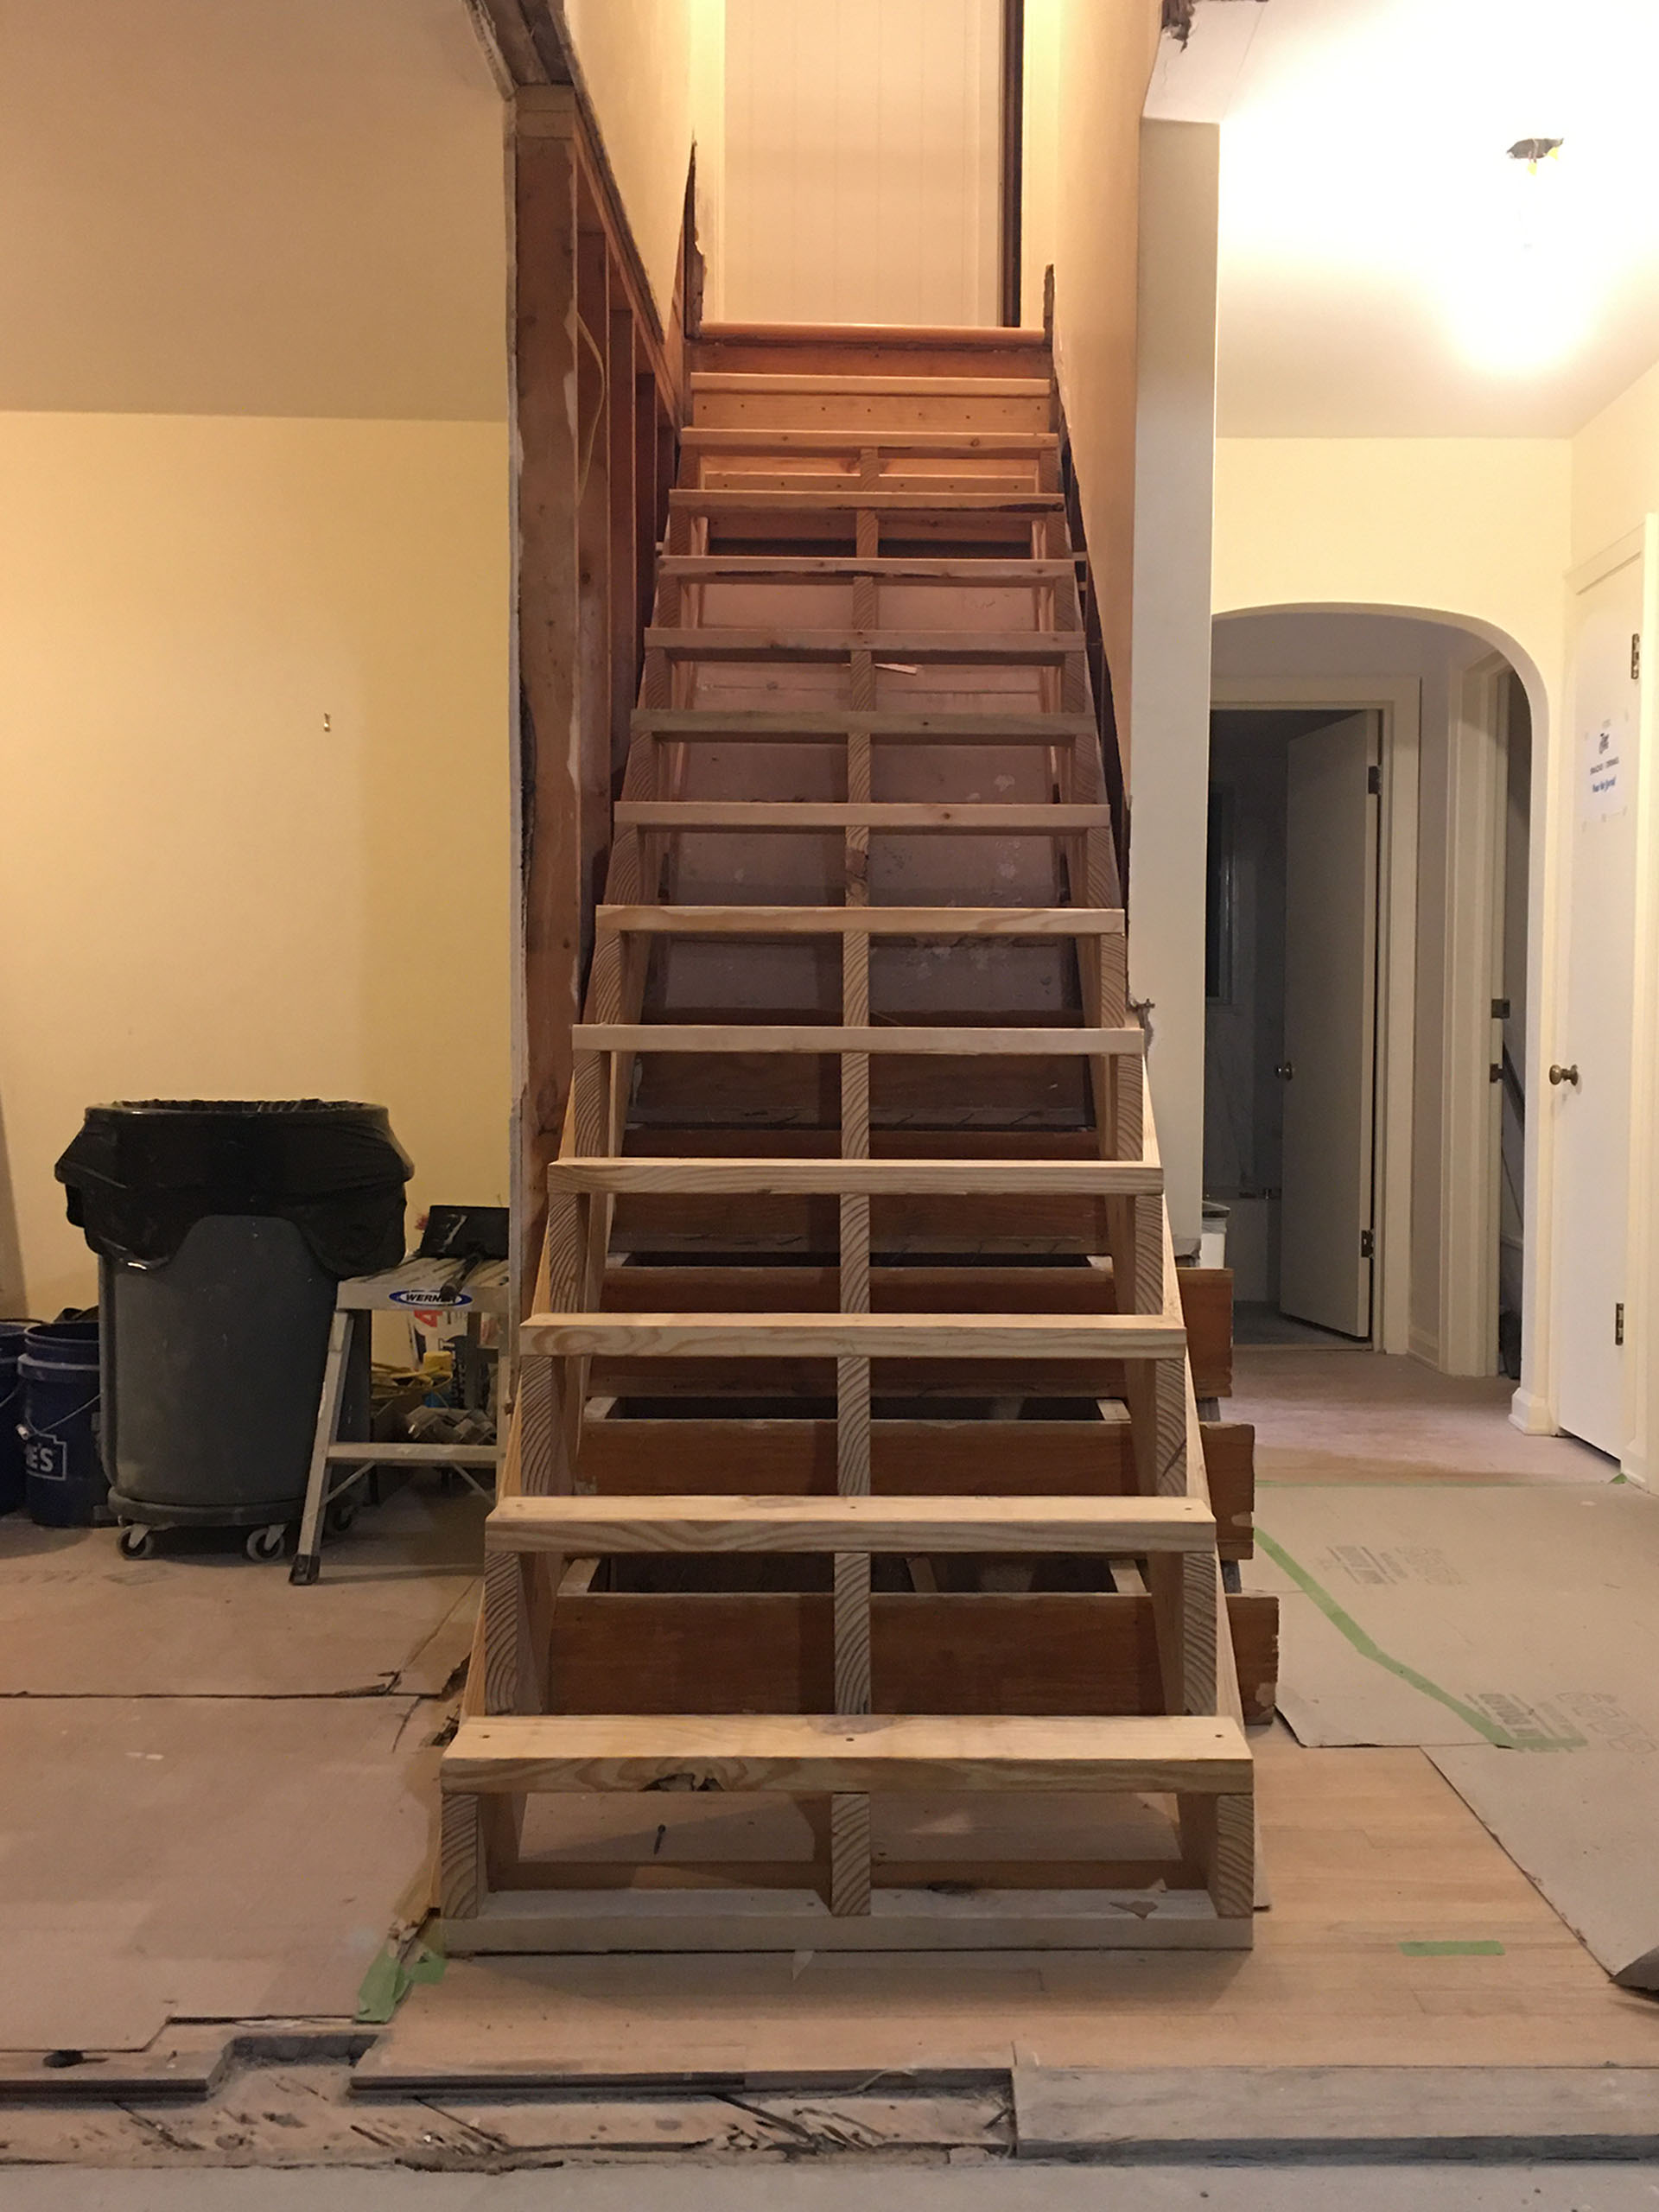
393 1610
180 1857
1510 1631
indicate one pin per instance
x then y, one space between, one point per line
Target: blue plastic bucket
63 1470
12 1413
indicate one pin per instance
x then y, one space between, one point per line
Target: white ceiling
1386 270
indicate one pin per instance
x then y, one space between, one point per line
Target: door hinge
1500 1009
1374 780
1368 1245
1495 1071
1618 1322
1636 657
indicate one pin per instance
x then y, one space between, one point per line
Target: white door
862 176
1592 1036
1329 1069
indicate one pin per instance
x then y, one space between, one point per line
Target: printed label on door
1604 774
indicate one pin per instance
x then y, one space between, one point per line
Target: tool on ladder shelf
460 1266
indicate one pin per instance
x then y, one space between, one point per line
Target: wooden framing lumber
844 568
851 1177
860 1335
905 387
1053 820
1016 648
774 725
1014 922
1016 505
798 1036
1104 1526
814 1753
701 438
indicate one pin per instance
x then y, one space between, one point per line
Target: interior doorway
1291 1017
1366 1127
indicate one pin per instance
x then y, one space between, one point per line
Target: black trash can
223 1228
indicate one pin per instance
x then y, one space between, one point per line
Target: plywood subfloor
1372 1857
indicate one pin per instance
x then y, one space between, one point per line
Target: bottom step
810 1753
588 1921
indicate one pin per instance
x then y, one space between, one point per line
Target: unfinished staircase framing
855 1581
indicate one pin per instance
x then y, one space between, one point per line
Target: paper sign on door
1605 773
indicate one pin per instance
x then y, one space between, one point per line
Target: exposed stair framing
858 1510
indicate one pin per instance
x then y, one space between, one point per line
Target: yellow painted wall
1616 468
650 66
1476 528
206 892
1097 55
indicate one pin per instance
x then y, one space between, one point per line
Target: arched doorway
1366 986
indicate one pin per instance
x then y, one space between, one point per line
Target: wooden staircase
854 1582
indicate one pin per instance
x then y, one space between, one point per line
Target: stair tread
870 921
1050 817
834 724
829 1177
881 1336
809 1752
669 1523
746 438
919 1041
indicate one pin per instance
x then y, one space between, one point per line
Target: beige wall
252 438
650 66
232 209
862 170
1475 528
1094 58
1616 469
206 892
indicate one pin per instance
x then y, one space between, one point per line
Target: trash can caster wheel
339 1518
267 1543
135 1541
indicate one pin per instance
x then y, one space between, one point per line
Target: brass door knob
1559 1075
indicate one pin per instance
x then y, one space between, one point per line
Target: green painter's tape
1367 1648
390 1980
1484 1948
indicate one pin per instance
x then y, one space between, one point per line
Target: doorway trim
1469 1103
1398 701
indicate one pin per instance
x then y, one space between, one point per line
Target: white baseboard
1422 1344
1529 1414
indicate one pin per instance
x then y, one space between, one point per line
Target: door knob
1285 1070
1559 1075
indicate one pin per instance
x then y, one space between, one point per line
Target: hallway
1338 1415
